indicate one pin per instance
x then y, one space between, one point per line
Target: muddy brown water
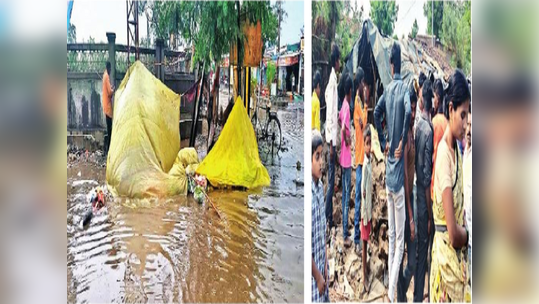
176 250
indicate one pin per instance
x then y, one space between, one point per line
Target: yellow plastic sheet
144 158
234 160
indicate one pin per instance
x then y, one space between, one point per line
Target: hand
412 230
428 227
386 150
321 284
331 150
398 152
361 122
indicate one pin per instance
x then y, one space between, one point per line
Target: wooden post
248 91
160 59
196 109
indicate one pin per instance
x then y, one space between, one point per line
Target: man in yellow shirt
360 121
315 102
106 99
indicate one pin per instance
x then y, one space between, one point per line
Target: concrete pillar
160 59
111 37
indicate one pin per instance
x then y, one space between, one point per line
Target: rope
208 198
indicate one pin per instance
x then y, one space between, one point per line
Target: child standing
319 270
346 155
360 119
366 206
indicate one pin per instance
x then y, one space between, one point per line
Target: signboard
288 61
252 54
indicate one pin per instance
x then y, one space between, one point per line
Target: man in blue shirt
395 104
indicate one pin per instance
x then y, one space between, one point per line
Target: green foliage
456 33
267 15
436 8
211 26
384 15
72 33
415 29
325 16
349 27
270 73
340 21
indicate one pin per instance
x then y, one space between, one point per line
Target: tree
72 33
456 32
211 26
384 15
144 9
270 73
349 27
415 29
281 15
436 8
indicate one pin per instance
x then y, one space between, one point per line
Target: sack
234 160
144 159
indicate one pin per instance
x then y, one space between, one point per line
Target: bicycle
270 138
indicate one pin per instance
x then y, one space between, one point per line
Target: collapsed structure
145 160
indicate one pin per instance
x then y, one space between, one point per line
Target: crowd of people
424 131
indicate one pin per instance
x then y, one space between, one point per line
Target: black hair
412 93
360 76
439 91
457 92
348 84
340 86
108 66
316 141
335 54
317 80
367 131
395 58
422 78
427 95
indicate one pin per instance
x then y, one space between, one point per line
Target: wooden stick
208 198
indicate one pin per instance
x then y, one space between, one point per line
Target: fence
85 67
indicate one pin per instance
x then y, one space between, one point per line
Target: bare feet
347 242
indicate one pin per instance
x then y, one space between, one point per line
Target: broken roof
372 51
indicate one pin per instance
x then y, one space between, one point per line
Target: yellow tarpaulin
234 160
144 158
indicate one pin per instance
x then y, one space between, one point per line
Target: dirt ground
345 266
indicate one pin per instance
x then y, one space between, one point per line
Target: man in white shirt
331 129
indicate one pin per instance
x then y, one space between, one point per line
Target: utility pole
238 61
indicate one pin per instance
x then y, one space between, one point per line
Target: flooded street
177 250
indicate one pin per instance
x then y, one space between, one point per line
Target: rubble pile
76 155
345 265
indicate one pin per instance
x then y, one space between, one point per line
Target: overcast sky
408 12
95 18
